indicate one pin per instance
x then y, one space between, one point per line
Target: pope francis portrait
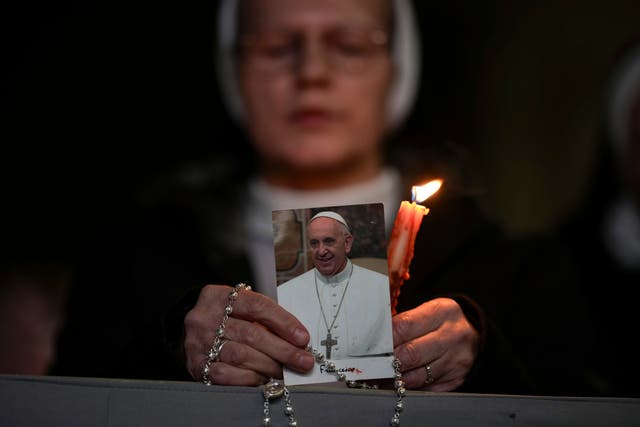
345 307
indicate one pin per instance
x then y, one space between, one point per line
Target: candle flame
420 193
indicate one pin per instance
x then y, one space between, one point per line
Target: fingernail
300 336
306 360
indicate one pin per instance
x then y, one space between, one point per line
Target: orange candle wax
403 237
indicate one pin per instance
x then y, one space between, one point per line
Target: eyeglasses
349 51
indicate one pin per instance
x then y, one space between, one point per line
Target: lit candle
403 236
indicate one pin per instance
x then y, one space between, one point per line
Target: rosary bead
266 421
288 410
395 420
293 423
399 406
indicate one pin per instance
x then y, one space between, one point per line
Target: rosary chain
275 389
218 341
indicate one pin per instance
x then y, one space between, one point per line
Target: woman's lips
311 117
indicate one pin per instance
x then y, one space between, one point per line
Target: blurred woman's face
314 77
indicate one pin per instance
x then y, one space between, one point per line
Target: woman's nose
313 62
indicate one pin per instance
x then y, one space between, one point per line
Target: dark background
100 98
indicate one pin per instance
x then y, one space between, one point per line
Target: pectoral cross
328 343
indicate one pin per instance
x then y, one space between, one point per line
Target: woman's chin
318 158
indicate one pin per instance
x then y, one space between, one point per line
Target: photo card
331 272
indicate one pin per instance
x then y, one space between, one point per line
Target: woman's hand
436 345
260 337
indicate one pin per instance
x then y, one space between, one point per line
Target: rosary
275 389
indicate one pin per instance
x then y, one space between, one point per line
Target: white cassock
362 325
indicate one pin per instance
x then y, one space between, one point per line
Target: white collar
336 278
265 198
